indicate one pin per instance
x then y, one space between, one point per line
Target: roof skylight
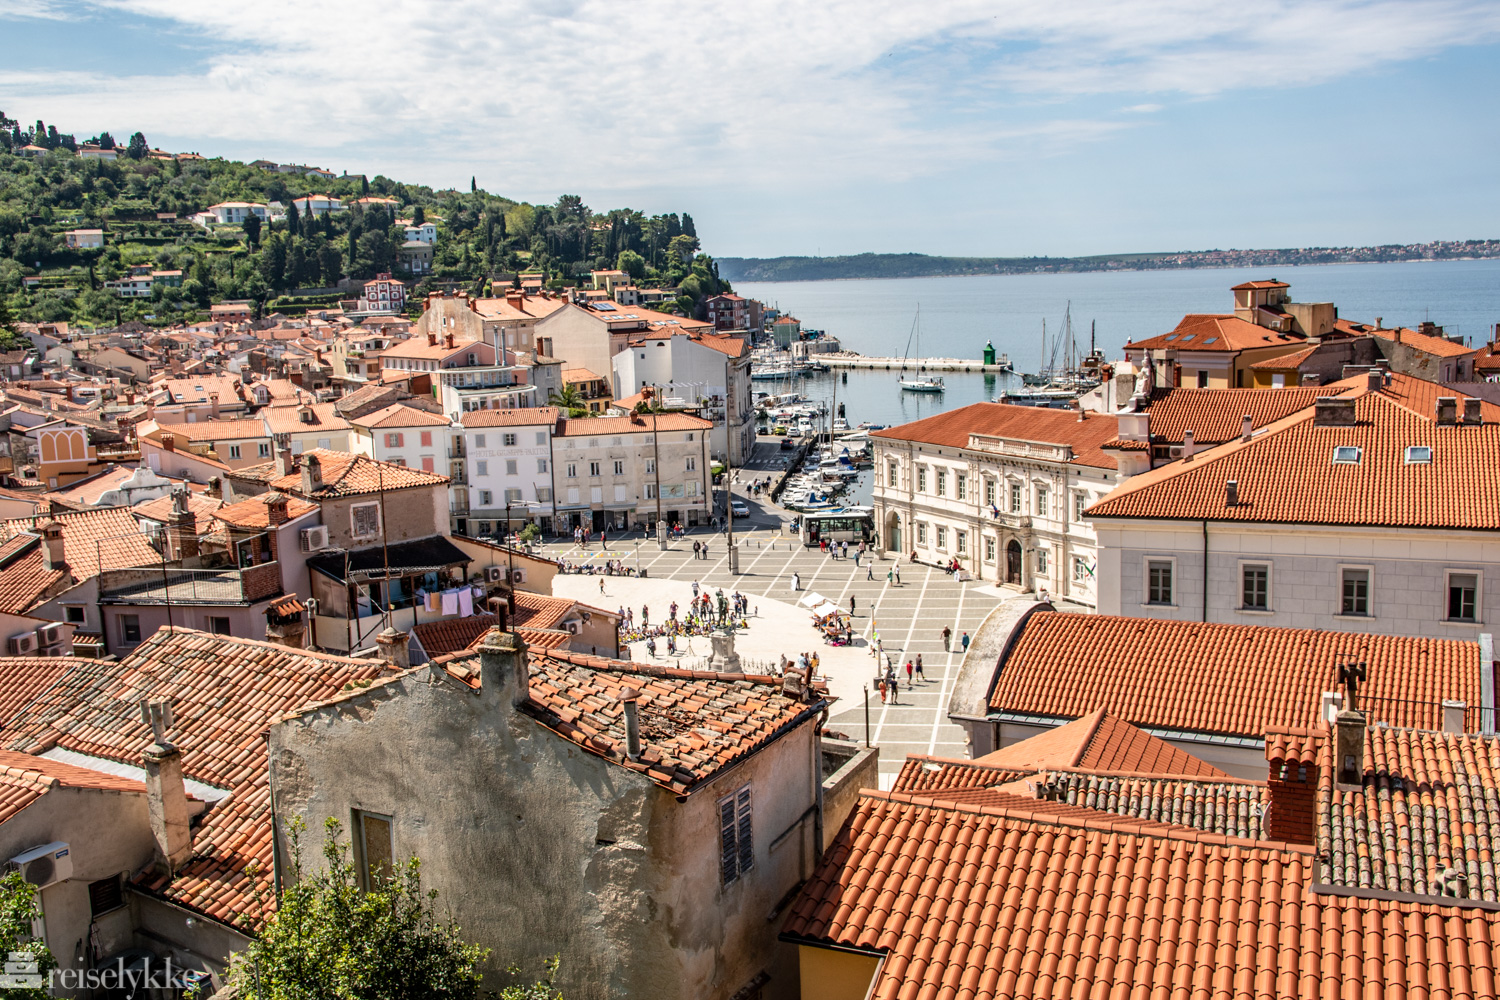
1418 454
1346 455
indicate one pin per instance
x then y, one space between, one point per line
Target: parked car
740 508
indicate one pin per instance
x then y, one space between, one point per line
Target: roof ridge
1084 744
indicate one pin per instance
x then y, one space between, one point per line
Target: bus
839 524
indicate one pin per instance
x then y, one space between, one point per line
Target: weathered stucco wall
537 847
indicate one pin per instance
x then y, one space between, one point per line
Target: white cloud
16 10
589 94
1142 109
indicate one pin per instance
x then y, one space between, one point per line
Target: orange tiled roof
589 426
1217 332
998 900
1282 362
399 415
23 580
1224 805
1233 680
1099 741
1027 423
252 512
1287 473
344 475
160 510
22 678
215 430
1440 347
926 774
107 538
225 692
24 779
287 419
1216 415
525 416
1245 286
580 375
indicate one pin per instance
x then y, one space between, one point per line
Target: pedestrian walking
696 548
603 541
908 673
919 668
966 642
601 585
890 682
947 638
857 553
898 575
695 590
890 574
796 582
880 684
844 550
851 605
870 571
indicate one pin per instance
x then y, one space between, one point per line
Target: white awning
811 599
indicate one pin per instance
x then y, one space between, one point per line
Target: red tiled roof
1287 474
1217 332
160 510
24 779
107 538
288 419
23 579
1293 745
1283 362
1216 415
580 375
994 901
921 773
344 475
225 694
22 678
252 512
1245 286
523 417
649 422
215 430
399 415
454 634
1100 742
1024 423
1237 680
1440 347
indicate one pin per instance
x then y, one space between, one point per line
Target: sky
996 128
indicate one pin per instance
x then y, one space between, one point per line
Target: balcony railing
157 585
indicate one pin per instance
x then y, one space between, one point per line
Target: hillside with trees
144 201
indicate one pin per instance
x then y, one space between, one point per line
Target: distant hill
916 265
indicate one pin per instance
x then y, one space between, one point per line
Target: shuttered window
736 844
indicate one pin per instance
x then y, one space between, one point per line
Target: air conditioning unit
23 644
53 633
518 575
573 626
494 574
314 539
42 866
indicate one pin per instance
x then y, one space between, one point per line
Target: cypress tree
418 216
473 185
687 225
364 185
293 222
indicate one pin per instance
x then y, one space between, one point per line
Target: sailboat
918 382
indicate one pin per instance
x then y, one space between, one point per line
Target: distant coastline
914 265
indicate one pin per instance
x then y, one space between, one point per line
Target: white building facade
704 372
504 458
611 473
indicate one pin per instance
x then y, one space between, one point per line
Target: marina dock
846 359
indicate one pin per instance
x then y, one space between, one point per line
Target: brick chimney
169 442
276 512
166 794
502 668
54 555
1292 767
431 338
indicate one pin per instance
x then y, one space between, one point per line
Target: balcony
190 586
458 472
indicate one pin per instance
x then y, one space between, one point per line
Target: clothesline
459 601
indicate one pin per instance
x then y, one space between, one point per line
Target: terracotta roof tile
24 779
1238 680
1026 423
252 512
400 415
523 417
215 430
22 678
24 580
588 426
1101 742
1218 332
107 538
1217 415
344 475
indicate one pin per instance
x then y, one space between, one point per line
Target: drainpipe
817 775
1205 569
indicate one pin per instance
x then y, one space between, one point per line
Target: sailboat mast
1043 369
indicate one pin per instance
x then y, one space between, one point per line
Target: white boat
918 382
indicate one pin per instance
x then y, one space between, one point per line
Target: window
486 498
650 466
510 466
324 443
1158 581
692 463
105 895
989 550
264 450
736 846
890 473
372 845
217 625
512 496
961 486
1418 454
482 468
1202 380
650 491
1463 597
130 629
921 479
541 437
690 437
692 487
479 440
961 542
1015 498
942 537
509 440
921 533
1080 501
1346 455
1080 569
427 439
1255 587
593 468
572 470
234 451
989 492
1355 585
619 467
1041 560
1042 497
942 483
76 615
393 440
541 465
364 519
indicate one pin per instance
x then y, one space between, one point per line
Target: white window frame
1369 570
1016 494
942 537
989 548
1081 570
354 513
940 482
1043 560
1242 566
991 491
1478 575
921 532
921 479
1146 564
960 542
1041 494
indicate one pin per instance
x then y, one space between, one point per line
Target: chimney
1187 446
213 406
431 338
286 463
312 475
1247 426
502 668
1231 493
1333 411
1447 411
1292 790
54 556
393 648
182 531
276 512
169 442
1453 716
1473 416
628 698
1374 379
450 341
166 795
1349 749
1379 320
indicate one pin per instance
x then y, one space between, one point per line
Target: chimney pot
1231 493
393 648
1374 379
1187 446
53 551
1447 410
1453 716
502 668
628 700
1247 426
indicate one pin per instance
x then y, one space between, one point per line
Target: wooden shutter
728 852
746 843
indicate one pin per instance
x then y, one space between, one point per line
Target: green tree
251 226
329 938
18 911
293 221
138 150
418 216
631 263
683 247
570 399
688 229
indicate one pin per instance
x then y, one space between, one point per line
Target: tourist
601 585
965 641
695 590
696 549
908 673
796 582
672 611
919 668
890 574
880 684
851 606
869 571
947 638
645 616
890 682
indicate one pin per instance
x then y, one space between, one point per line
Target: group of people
840 550
582 536
704 614
700 550
889 683
611 567
836 628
